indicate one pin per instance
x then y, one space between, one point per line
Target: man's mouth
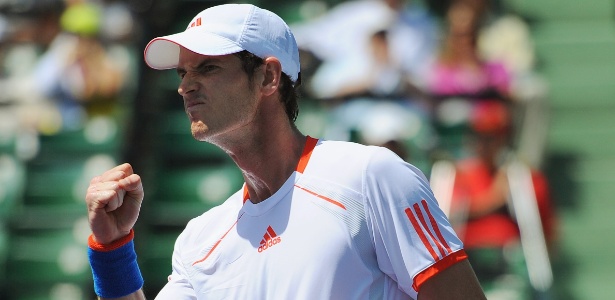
190 104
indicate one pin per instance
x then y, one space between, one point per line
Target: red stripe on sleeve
435 226
417 209
421 234
438 267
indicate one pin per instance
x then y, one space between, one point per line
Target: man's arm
113 200
456 282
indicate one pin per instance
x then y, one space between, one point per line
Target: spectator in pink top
459 69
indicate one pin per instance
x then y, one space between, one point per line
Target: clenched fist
114 200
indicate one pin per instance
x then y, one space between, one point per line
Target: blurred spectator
381 107
65 65
459 69
480 206
460 75
505 38
79 71
482 185
24 111
373 53
375 76
475 87
345 39
483 38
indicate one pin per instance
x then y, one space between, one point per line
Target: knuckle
94 180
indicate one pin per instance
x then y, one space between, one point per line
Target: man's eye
207 68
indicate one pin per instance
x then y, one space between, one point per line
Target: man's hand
114 200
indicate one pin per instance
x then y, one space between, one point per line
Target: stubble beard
227 131
199 131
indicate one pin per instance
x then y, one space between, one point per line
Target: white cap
227 29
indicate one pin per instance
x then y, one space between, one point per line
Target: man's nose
186 86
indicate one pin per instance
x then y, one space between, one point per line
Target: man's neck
267 160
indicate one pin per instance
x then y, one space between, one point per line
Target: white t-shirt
353 222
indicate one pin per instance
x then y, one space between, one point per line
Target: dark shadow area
559 168
563 275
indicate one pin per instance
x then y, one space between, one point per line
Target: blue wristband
115 272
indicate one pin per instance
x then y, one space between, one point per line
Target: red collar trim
310 144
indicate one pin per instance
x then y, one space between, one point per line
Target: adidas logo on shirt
269 240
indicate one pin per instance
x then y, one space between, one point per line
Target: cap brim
163 52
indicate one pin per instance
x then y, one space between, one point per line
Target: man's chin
201 136
200 131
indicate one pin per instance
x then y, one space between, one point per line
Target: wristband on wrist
114 267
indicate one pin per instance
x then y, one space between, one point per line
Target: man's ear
273 75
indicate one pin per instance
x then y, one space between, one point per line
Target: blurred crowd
63 63
68 77
457 92
403 53
451 91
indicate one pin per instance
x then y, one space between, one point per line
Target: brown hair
289 95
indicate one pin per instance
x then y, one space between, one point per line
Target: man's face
218 97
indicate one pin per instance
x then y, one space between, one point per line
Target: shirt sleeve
178 287
413 239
